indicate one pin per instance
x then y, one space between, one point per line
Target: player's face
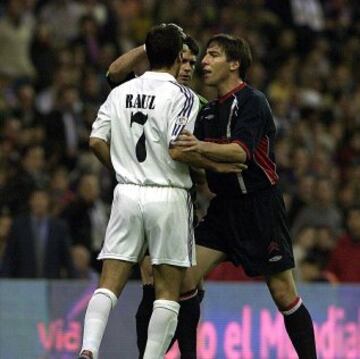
216 68
187 68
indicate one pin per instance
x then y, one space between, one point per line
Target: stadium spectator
43 55
303 196
30 175
87 216
304 241
322 211
345 258
82 263
38 245
89 38
310 270
16 29
64 26
65 131
60 192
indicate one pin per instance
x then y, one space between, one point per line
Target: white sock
96 318
162 328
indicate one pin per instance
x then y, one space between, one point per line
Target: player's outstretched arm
195 159
127 63
101 149
229 152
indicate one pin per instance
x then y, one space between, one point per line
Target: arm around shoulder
126 63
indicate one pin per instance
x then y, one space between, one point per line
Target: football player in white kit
151 207
127 66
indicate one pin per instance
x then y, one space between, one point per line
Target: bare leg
207 259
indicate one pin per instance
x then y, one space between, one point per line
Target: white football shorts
159 219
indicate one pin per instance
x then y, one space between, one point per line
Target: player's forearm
101 149
229 152
126 63
193 159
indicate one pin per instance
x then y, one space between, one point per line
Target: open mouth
206 73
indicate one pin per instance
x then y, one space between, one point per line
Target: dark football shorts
251 230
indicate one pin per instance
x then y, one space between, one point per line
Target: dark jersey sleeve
251 123
113 84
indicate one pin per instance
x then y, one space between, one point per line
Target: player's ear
180 56
234 65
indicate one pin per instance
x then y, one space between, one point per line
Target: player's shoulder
253 94
181 90
251 97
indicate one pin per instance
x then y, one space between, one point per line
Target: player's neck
167 70
228 85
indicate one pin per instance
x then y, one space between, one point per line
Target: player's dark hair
163 44
236 49
192 44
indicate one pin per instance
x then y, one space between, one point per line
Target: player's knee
283 290
107 293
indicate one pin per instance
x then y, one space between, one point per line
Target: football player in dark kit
246 221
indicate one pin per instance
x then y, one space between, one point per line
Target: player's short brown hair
163 44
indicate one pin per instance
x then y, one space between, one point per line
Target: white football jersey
139 119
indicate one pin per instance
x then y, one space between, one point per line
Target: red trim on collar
226 96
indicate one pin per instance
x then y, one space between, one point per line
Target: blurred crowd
54 194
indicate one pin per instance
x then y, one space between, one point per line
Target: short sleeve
251 124
101 127
183 113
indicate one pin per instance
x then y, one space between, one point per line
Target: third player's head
164 45
189 56
226 58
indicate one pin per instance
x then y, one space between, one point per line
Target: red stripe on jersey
223 98
262 159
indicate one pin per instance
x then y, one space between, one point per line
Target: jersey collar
223 98
159 76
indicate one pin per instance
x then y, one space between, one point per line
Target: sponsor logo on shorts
275 258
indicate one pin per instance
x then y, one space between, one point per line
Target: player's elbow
115 71
95 143
239 153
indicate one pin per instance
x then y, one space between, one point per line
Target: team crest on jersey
180 124
181 121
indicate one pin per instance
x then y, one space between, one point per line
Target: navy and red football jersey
242 116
